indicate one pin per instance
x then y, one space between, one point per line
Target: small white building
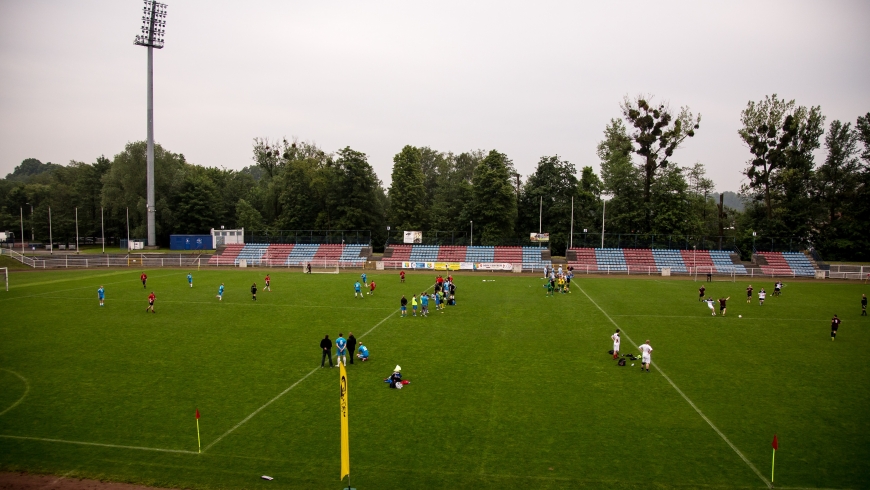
228 237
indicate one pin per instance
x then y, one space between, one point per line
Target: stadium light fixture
153 30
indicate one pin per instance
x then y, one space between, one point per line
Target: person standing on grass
254 292
308 268
701 291
722 304
341 350
220 294
835 324
190 279
151 299
777 288
710 302
357 290
268 286
863 305
424 303
326 347
616 339
414 304
363 276
404 304
749 294
372 287
102 294
762 295
143 278
645 355
351 345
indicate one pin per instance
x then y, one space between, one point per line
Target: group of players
723 302
443 294
558 280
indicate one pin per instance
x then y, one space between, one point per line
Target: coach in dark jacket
326 347
351 345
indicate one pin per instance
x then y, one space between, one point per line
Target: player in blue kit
190 279
341 345
102 294
357 290
363 276
220 294
424 302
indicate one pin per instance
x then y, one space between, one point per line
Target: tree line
295 185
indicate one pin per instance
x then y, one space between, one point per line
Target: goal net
320 267
4 276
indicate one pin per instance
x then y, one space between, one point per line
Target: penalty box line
688 400
255 412
81 443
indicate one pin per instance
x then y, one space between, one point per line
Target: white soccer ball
632 364
739 316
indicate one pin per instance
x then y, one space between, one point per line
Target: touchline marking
245 304
37 295
690 402
81 443
26 390
255 412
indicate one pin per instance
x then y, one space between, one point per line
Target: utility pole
153 24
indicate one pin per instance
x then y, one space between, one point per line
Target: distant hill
30 168
732 200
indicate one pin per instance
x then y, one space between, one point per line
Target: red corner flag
197 417
198 440
775 443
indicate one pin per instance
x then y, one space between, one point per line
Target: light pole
153 24
32 235
472 233
571 240
22 230
603 213
50 239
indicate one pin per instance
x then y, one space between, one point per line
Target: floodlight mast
153 28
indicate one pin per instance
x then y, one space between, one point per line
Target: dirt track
26 481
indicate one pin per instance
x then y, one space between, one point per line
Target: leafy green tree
547 197
658 132
407 193
249 218
197 204
359 206
495 204
622 180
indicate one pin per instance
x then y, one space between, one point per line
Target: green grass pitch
509 389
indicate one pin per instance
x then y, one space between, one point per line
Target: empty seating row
289 254
617 259
788 262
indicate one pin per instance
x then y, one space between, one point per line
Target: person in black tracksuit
351 345
326 347
254 291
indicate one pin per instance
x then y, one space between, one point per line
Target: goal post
4 271
321 267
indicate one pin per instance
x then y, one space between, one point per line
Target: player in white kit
645 351
615 338
761 296
710 305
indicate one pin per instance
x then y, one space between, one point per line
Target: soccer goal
320 267
4 273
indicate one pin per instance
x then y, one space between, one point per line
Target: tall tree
621 180
359 206
546 200
658 132
407 193
495 205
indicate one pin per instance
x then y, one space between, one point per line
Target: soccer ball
739 316
632 364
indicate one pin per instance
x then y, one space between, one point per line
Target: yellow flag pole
198 440
771 465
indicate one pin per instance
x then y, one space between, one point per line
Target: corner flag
775 445
345 444
198 440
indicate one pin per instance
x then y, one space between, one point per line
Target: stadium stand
252 253
669 258
301 253
640 260
612 259
532 259
277 254
480 254
228 256
351 255
786 262
723 263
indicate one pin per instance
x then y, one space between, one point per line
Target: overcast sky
526 78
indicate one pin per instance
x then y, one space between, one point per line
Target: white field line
81 443
233 303
40 295
255 412
26 390
690 402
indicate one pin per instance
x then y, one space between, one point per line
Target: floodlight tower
153 28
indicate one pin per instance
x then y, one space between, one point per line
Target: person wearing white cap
395 379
